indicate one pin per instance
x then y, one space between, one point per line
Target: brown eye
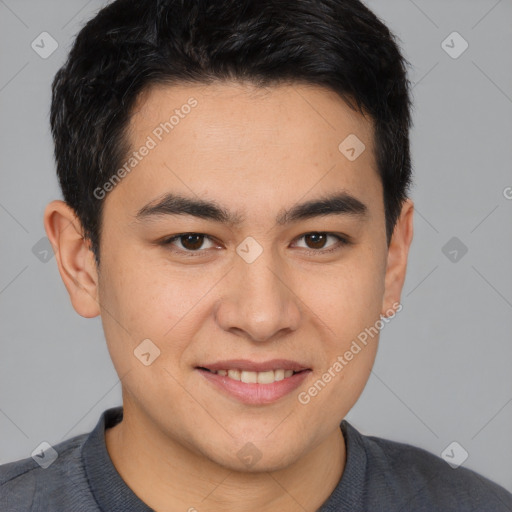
188 243
316 240
192 242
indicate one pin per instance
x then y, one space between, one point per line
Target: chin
245 456
276 462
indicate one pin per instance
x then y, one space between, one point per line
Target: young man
235 176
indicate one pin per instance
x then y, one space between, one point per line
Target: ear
398 252
75 259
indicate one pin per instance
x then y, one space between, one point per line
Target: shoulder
24 483
418 480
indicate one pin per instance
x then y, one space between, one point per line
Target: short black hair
133 44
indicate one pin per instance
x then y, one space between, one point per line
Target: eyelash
342 241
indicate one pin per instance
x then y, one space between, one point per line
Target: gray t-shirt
379 476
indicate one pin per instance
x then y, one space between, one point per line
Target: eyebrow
340 203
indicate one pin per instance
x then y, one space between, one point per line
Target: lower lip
255 393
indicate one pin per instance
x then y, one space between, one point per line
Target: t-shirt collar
109 489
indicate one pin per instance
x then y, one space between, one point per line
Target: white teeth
265 377
234 374
278 374
248 377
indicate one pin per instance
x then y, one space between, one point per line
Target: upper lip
255 366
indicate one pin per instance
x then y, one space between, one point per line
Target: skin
255 152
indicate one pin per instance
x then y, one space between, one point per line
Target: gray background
443 370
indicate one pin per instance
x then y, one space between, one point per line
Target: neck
168 476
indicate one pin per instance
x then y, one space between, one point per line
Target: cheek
348 297
347 313
149 299
348 301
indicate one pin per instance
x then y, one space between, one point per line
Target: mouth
250 377
255 383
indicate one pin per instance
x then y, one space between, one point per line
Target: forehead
236 142
231 111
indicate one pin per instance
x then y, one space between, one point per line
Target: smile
254 383
267 377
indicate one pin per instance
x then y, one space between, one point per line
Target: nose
258 301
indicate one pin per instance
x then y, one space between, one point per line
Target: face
261 278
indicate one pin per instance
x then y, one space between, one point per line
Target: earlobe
398 253
75 260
